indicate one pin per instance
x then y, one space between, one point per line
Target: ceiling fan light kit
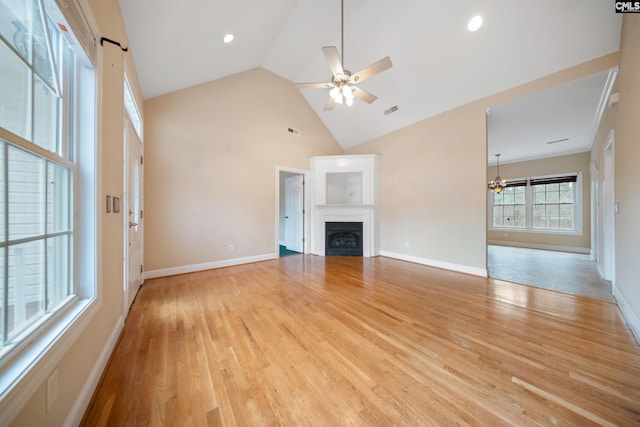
343 88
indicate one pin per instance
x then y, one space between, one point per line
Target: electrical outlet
52 389
231 247
407 245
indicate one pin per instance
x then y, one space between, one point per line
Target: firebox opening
343 238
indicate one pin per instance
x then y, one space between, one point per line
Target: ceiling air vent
293 131
557 140
391 110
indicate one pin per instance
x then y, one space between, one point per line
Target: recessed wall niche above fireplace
345 190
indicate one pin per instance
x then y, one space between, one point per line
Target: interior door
293 213
133 214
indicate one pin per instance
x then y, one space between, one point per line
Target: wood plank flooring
332 341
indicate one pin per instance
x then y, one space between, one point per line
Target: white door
293 213
133 214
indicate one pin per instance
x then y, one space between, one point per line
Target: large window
39 84
547 204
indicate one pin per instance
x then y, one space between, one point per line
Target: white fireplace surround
345 189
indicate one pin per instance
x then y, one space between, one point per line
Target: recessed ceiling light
228 38
475 23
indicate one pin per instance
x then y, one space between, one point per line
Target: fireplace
343 238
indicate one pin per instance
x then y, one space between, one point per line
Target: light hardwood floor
315 341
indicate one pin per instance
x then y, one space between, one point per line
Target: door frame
607 231
306 216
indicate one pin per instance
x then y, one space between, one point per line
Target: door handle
132 224
286 217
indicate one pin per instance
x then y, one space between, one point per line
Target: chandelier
498 184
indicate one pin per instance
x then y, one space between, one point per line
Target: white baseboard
574 249
627 313
439 264
84 398
152 274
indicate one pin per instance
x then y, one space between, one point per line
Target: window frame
578 199
27 364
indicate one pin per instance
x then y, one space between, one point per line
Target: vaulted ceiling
437 63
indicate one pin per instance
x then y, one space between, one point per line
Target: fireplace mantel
345 189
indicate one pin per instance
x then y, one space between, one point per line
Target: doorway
525 221
292 211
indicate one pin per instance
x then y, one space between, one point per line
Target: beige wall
78 362
434 174
571 163
211 157
627 168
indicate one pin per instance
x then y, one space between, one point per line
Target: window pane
497 216
508 213
519 197
553 193
553 216
58 198
25 285
45 117
566 217
3 212
538 194
520 216
539 216
15 90
58 269
26 194
566 192
2 307
16 18
508 196
42 61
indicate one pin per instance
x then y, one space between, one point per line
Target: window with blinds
546 203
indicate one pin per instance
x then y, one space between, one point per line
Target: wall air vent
557 140
293 131
391 110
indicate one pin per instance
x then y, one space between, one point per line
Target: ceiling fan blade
329 105
331 53
314 85
364 95
372 70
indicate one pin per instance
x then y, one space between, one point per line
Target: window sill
535 231
21 376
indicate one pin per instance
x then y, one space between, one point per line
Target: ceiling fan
343 82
